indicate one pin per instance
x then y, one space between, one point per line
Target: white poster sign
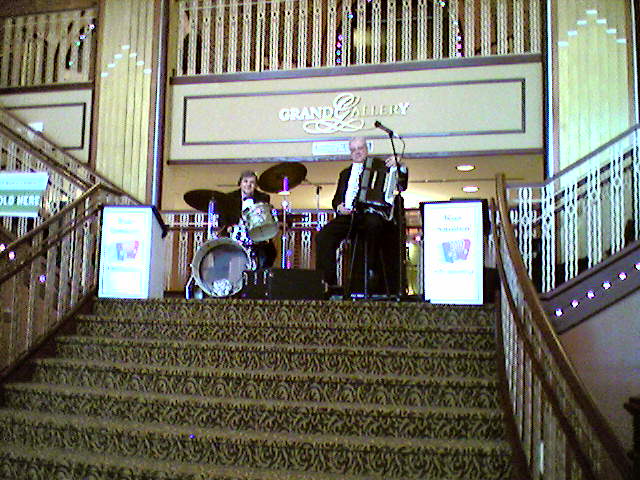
453 252
126 260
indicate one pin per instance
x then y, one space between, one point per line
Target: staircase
234 389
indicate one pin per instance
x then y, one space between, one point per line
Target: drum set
219 265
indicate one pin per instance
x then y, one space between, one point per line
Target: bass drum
218 267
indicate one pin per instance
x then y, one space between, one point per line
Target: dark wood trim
47 88
95 110
546 94
16 8
359 69
635 74
157 124
331 158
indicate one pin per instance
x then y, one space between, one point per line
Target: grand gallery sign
346 114
467 109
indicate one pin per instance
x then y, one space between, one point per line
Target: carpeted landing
235 389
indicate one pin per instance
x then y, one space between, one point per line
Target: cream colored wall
65 117
466 109
593 56
473 102
605 351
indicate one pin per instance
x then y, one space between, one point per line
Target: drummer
239 200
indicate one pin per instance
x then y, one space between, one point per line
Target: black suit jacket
232 216
343 182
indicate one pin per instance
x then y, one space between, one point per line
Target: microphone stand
401 226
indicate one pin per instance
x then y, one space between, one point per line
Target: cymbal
199 199
272 178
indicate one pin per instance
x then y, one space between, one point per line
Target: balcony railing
580 216
227 36
47 49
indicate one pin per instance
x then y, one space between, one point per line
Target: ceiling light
465 168
470 189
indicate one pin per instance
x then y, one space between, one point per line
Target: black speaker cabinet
283 284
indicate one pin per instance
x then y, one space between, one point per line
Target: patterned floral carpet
240 389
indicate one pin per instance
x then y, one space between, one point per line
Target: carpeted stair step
356 334
284 311
256 356
260 415
383 456
319 387
18 462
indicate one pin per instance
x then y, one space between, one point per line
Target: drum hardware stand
212 221
284 255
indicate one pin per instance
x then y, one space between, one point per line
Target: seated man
239 200
350 216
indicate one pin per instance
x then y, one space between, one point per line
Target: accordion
377 187
456 250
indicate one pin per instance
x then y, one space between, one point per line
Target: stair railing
582 215
562 432
25 150
48 273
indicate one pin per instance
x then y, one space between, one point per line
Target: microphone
377 124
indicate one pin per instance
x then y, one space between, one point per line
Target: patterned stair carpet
234 389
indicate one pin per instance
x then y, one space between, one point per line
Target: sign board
130 253
21 193
453 253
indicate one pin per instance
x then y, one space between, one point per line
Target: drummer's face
248 185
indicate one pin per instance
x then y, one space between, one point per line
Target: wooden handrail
600 427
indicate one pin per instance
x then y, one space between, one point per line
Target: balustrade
216 36
47 49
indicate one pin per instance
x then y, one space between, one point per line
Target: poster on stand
453 253
130 252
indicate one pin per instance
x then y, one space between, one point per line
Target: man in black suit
350 215
239 200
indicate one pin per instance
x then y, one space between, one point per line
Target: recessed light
465 168
470 189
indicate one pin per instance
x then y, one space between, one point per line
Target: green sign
21 193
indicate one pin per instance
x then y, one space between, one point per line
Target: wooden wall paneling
26 7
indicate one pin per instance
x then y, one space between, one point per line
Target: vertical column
124 93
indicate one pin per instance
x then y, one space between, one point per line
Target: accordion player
378 186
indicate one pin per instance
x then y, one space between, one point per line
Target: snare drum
260 223
218 267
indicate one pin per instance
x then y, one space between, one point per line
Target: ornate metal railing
226 36
47 49
49 272
562 433
580 216
25 150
